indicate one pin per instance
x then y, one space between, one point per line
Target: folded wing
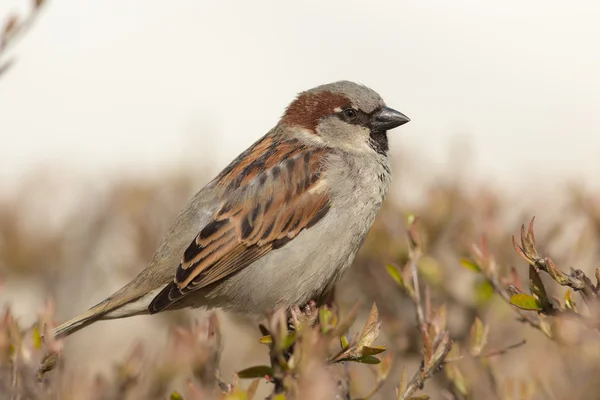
273 191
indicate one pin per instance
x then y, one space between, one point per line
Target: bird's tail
116 306
124 303
81 321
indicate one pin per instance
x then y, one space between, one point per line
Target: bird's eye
350 113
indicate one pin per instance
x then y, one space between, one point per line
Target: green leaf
420 397
431 271
37 338
325 318
371 351
237 395
344 342
289 340
369 360
569 302
410 219
469 264
395 274
525 302
259 371
175 396
266 339
483 292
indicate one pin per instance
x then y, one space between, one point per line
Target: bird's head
344 115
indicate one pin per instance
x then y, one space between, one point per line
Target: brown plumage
286 200
281 223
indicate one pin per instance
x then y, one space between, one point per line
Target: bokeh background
114 113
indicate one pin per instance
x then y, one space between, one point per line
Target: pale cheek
342 135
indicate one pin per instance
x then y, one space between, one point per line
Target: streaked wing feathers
276 191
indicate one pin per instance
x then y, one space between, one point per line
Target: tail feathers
111 308
167 296
81 321
120 305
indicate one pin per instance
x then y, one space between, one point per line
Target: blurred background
114 113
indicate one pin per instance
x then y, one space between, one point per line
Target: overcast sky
110 86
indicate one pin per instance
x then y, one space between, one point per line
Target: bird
281 223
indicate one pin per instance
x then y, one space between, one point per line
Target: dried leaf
546 327
252 388
520 251
371 330
525 302
384 368
48 364
403 382
537 289
478 337
457 378
11 23
443 348
414 235
427 347
530 233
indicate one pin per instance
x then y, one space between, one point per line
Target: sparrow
280 224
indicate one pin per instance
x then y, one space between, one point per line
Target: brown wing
276 191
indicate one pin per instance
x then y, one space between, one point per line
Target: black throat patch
379 142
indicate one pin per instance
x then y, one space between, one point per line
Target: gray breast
317 257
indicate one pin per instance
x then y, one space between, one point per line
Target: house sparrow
281 223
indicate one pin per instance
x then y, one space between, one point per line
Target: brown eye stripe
310 107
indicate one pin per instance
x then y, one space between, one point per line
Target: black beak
387 118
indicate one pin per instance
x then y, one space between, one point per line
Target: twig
417 297
425 372
490 353
523 316
435 349
577 280
13 29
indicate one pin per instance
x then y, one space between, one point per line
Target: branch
577 280
13 29
436 339
425 372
